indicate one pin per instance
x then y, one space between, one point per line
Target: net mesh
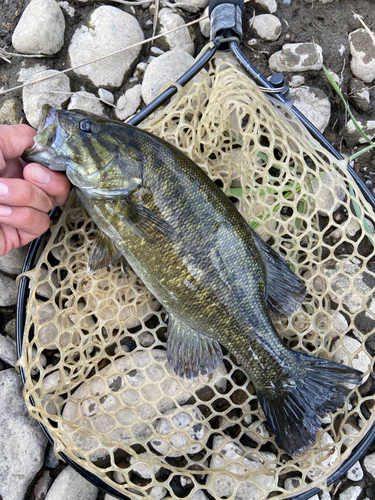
94 345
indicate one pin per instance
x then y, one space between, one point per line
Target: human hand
27 193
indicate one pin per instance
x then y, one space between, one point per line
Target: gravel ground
327 23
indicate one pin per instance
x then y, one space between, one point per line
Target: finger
14 139
21 193
11 238
25 219
55 184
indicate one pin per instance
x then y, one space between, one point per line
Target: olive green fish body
213 274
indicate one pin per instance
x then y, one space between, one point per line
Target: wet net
94 345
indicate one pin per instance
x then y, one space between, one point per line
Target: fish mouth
49 138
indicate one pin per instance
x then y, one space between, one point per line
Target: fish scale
190 246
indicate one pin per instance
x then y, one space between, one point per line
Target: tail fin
292 412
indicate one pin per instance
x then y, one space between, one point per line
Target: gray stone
180 39
192 6
69 485
314 104
296 81
291 483
22 441
297 57
8 291
40 29
85 101
205 25
42 485
26 74
69 9
266 26
351 493
352 137
324 198
8 350
355 473
157 492
128 103
108 29
106 96
369 464
8 112
12 262
359 94
166 68
362 49
269 5
53 91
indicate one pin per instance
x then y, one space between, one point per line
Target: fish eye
86 126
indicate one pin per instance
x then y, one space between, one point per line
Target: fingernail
4 210
40 175
3 188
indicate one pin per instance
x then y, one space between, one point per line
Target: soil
326 24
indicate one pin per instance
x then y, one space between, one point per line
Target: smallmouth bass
214 275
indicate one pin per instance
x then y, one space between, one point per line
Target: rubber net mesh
94 345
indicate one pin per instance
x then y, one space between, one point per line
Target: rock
291 483
266 26
296 81
314 104
297 57
69 9
330 453
10 328
158 492
12 263
191 6
324 198
42 485
359 94
54 91
69 485
8 291
51 460
205 25
85 101
269 5
355 473
352 137
369 465
351 493
166 68
198 495
106 96
128 103
108 29
22 440
26 74
8 112
40 29
180 39
8 350
362 49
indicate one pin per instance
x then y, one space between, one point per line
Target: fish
217 279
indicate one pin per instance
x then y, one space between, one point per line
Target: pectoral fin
103 252
142 221
189 353
284 291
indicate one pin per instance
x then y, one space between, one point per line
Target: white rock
296 81
266 26
355 473
69 9
180 39
166 68
8 291
314 104
205 25
324 198
8 350
13 261
297 57
22 441
128 103
270 5
291 483
26 74
54 91
198 495
108 29
69 485
85 101
106 96
328 462
158 492
351 493
359 94
192 6
362 49
9 114
369 464
40 29
351 135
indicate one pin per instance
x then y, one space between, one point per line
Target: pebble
51 461
42 485
369 464
296 81
106 96
8 291
267 26
352 137
324 198
362 50
110 30
297 57
69 485
8 113
205 25
269 5
69 9
22 440
12 262
351 493
327 463
166 68
180 39
128 103
291 483
191 6
355 473
314 104
359 94
8 350
40 29
54 91
85 101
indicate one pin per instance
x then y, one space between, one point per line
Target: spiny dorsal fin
189 353
103 252
284 291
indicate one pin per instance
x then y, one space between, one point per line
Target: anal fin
190 353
